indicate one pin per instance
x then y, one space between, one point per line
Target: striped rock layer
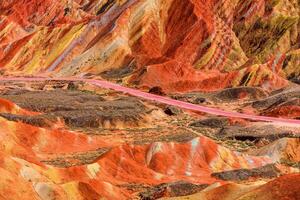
37 163
178 45
175 46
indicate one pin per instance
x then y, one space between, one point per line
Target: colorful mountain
66 138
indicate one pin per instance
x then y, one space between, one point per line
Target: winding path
160 99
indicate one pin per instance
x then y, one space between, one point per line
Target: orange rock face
176 45
38 144
160 159
26 150
282 188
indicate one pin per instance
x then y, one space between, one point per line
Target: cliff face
178 45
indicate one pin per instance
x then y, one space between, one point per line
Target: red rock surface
72 140
58 162
176 45
25 148
285 187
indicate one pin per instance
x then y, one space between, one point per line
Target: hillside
150 99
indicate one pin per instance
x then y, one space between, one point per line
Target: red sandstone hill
179 45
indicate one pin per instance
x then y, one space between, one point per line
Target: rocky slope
73 140
179 45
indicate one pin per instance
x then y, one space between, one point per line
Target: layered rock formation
177 45
72 140
67 140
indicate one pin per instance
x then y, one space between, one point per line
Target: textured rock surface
179 45
71 140
75 161
135 150
283 187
